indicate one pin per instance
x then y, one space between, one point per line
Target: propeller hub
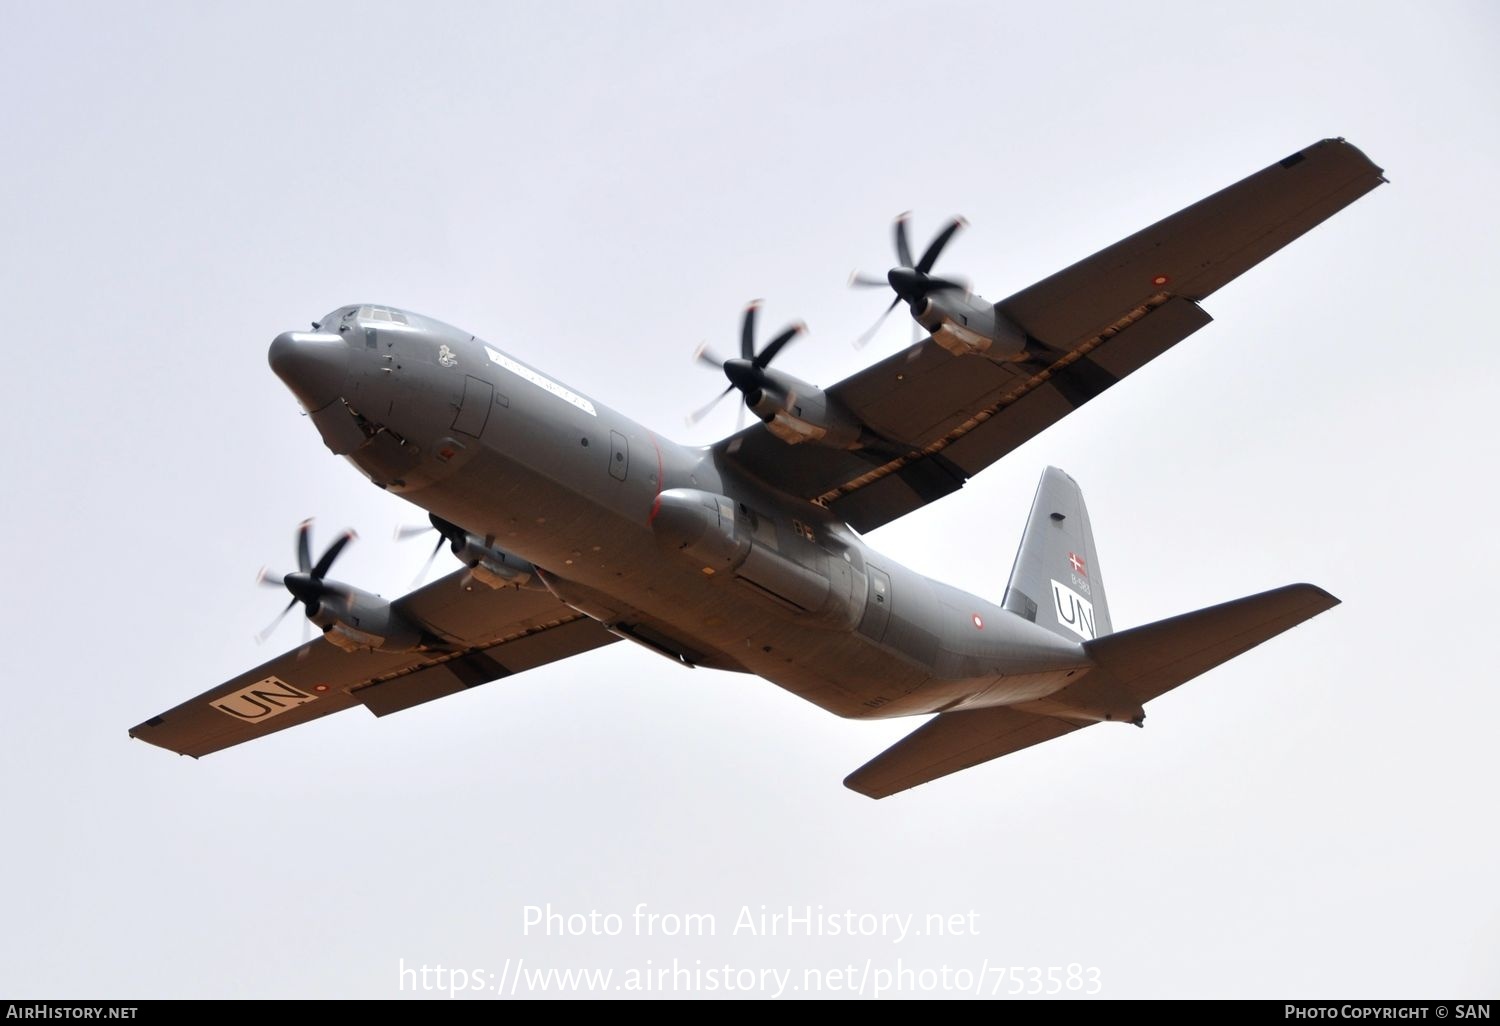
304 587
743 374
908 283
307 583
911 280
747 372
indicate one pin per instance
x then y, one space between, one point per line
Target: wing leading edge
486 634
1087 326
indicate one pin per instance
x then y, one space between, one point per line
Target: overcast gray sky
598 188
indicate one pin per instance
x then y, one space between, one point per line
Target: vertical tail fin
1056 582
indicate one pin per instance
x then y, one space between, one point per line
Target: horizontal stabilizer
1149 661
951 742
1131 668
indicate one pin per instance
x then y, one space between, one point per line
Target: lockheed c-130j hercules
578 528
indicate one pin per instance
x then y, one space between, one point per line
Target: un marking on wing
262 700
1074 612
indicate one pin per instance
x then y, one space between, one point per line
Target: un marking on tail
1074 612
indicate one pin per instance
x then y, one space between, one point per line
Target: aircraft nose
313 366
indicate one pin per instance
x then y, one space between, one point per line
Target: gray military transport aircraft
578 528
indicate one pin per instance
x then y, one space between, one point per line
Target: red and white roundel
1160 280
978 622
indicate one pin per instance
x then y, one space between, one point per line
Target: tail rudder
1056 582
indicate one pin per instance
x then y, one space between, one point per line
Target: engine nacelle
720 537
964 323
797 412
360 622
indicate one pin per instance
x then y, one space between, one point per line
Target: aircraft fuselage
652 538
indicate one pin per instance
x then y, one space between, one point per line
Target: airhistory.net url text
517 978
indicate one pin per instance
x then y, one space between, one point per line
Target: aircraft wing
487 634
1087 326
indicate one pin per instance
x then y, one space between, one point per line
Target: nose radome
312 365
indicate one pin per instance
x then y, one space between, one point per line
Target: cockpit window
380 313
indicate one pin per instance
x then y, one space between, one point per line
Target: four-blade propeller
306 584
911 280
747 371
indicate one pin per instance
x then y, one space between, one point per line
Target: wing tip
863 787
1316 595
1354 151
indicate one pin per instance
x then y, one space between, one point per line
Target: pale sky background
598 187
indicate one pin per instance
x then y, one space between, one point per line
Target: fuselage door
474 410
619 456
878 606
